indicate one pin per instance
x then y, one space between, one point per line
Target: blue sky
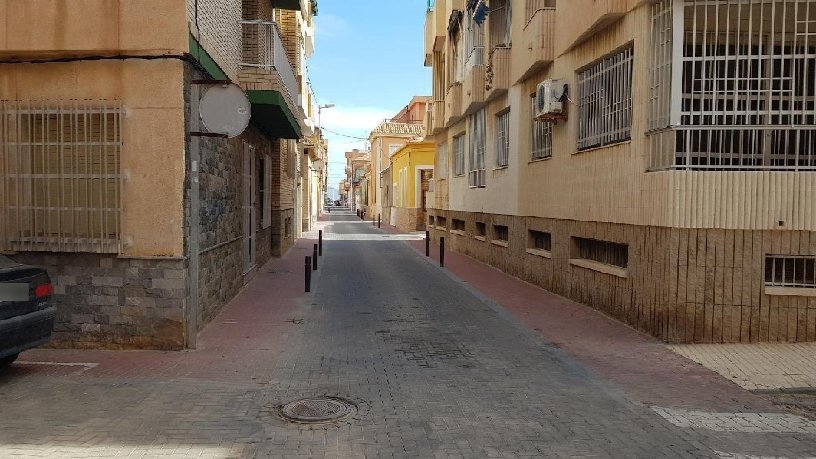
368 62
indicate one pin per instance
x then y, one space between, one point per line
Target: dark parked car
26 315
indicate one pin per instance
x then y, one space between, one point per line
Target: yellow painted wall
407 159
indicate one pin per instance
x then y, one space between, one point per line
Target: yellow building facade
412 169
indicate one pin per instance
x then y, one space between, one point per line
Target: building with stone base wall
660 191
147 228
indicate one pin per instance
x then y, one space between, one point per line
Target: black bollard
379 220
308 277
314 258
441 252
320 242
427 243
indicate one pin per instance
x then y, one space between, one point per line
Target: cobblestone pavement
436 369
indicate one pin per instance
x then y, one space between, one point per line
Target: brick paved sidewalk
642 366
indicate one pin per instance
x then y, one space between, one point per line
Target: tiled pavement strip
438 367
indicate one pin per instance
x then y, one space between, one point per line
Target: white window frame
605 100
459 155
502 129
477 126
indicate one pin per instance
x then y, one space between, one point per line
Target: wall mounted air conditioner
550 100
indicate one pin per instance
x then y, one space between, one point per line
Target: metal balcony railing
263 48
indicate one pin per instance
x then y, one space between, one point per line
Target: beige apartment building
147 221
385 140
655 160
358 163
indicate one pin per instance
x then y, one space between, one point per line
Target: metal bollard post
427 243
320 242
314 258
441 252
308 277
373 221
379 220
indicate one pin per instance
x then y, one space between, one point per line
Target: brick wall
218 30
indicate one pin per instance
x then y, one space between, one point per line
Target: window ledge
441 228
540 253
790 291
615 144
539 160
501 168
600 267
500 243
480 238
457 232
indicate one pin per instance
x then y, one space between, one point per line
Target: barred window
503 139
539 240
541 142
608 253
442 161
459 155
476 173
605 101
501 233
60 172
458 225
797 271
481 229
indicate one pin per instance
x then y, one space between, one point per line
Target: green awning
286 4
272 116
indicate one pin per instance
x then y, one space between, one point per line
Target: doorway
249 209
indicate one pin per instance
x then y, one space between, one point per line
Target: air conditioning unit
550 99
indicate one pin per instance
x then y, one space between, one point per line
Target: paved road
436 372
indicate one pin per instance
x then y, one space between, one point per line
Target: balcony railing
263 49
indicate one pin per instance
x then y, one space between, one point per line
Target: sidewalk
643 367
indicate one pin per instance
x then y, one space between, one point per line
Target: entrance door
248 173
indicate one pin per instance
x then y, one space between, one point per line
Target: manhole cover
316 410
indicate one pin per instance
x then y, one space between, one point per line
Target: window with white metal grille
477 147
442 161
736 81
459 155
500 22
503 139
798 271
60 176
474 42
605 101
541 141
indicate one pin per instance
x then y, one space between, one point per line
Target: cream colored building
107 177
385 140
674 190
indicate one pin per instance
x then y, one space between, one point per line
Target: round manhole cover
317 409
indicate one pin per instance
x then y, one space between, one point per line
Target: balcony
453 104
497 74
438 114
588 17
536 49
436 27
473 89
264 63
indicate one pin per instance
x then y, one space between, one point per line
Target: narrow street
435 367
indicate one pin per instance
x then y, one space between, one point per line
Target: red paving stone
640 365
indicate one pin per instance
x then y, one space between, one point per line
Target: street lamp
320 109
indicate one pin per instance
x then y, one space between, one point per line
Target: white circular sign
225 109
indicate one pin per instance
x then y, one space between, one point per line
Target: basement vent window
442 222
481 231
458 225
501 233
60 176
430 220
794 271
603 256
540 240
